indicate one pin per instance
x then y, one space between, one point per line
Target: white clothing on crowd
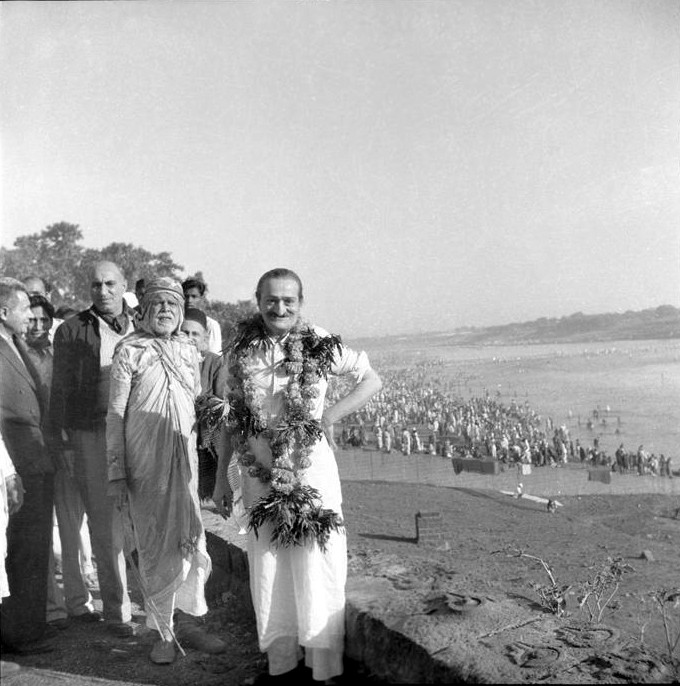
406 442
214 335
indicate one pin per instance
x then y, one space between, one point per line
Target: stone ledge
413 633
401 642
229 570
376 636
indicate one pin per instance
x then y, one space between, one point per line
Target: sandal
196 638
163 652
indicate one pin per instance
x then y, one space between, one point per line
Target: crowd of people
117 421
419 411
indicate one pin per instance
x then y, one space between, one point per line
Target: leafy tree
58 258
229 314
54 255
666 311
135 263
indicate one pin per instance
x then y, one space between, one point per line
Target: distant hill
656 323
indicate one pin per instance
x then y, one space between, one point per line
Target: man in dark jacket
23 404
213 380
83 351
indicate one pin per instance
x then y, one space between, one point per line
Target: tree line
59 258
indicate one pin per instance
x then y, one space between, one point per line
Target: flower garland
291 506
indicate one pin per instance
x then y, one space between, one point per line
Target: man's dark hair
65 311
193 314
37 300
278 273
194 282
140 283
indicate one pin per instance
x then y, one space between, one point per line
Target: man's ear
3 313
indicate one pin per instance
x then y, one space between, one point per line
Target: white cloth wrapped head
162 290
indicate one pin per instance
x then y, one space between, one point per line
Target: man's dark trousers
29 538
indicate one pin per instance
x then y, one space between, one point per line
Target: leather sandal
88 617
121 629
195 638
163 652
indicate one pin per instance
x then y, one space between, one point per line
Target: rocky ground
485 531
89 650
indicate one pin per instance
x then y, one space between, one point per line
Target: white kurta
214 336
298 591
6 470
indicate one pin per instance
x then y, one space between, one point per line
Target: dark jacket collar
118 323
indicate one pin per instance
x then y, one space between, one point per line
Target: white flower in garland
293 508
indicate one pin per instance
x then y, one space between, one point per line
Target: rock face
412 634
404 636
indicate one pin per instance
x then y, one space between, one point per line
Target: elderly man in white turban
153 466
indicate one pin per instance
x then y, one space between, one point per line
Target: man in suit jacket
23 405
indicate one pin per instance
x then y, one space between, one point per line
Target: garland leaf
291 507
296 518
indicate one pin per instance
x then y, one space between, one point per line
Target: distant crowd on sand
418 412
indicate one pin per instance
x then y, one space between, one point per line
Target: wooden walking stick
149 602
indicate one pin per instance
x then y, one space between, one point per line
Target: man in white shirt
298 589
194 296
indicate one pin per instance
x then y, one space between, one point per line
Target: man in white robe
153 468
298 591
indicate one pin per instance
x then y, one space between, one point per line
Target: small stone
647 555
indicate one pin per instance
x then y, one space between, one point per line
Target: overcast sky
422 165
